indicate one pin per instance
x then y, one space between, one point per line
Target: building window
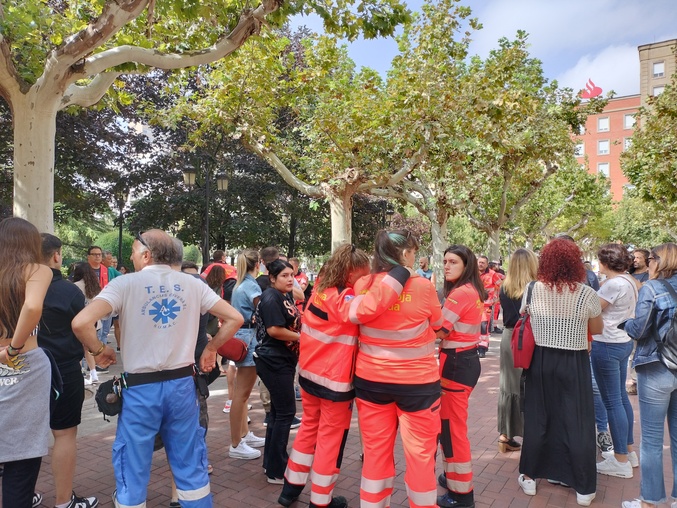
603 147
603 169
657 90
627 143
629 121
603 124
659 69
579 151
627 188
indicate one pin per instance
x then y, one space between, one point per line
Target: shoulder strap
670 289
631 280
530 290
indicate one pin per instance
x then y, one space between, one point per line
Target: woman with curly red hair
559 415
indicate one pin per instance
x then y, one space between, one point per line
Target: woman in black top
522 269
277 329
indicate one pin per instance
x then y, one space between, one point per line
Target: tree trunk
494 245
34 137
439 241
341 208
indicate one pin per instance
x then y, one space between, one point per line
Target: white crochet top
560 320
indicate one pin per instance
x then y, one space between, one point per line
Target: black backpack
667 346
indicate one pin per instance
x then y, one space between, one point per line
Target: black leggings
18 482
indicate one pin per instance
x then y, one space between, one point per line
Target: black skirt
559 419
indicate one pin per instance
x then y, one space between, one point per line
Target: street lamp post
190 179
122 199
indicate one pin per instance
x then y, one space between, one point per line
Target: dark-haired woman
397 385
215 278
559 412
656 384
25 369
610 352
86 280
459 370
278 327
328 348
522 269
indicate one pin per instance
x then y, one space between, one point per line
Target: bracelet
16 350
103 346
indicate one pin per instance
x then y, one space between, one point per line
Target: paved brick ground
238 483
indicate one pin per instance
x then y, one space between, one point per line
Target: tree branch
550 170
90 94
279 166
394 179
10 82
115 15
249 24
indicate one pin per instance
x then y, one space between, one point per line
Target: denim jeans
609 363
601 419
105 329
657 392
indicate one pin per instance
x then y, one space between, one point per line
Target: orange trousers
318 448
454 437
418 430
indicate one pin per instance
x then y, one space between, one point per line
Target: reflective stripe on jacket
398 346
462 313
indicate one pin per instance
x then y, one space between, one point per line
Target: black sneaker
286 501
604 442
481 352
442 481
295 424
101 370
447 501
37 499
82 502
336 502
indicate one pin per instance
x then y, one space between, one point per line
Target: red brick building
606 135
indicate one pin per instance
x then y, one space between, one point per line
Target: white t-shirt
621 293
159 311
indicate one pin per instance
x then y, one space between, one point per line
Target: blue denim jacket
653 312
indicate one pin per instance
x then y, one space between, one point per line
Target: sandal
508 445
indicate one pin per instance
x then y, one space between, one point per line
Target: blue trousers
170 408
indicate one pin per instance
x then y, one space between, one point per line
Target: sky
576 40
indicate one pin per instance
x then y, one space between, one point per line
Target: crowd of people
372 333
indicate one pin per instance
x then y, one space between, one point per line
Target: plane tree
56 55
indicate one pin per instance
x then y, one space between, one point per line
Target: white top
159 312
560 320
621 293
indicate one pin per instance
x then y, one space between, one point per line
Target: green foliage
651 161
109 241
636 222
192 253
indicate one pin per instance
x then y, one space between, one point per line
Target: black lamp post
189 178
122 199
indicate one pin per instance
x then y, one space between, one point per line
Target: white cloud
614 68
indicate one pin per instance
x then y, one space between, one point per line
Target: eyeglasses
96 254
654 258
141 240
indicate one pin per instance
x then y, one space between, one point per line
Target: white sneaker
88 382
612 467
585 499
243 451
254 441
634 461
528 485
226 406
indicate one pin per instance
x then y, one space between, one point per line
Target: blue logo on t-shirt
164 311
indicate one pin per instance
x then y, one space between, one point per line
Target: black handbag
108 398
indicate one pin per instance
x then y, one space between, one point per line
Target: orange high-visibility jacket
398 346
329 339
462 313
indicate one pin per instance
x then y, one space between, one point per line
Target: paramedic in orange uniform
397 384
459 369
326 364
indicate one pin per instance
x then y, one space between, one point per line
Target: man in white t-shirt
159 311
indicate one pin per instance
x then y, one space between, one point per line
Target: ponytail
246 262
